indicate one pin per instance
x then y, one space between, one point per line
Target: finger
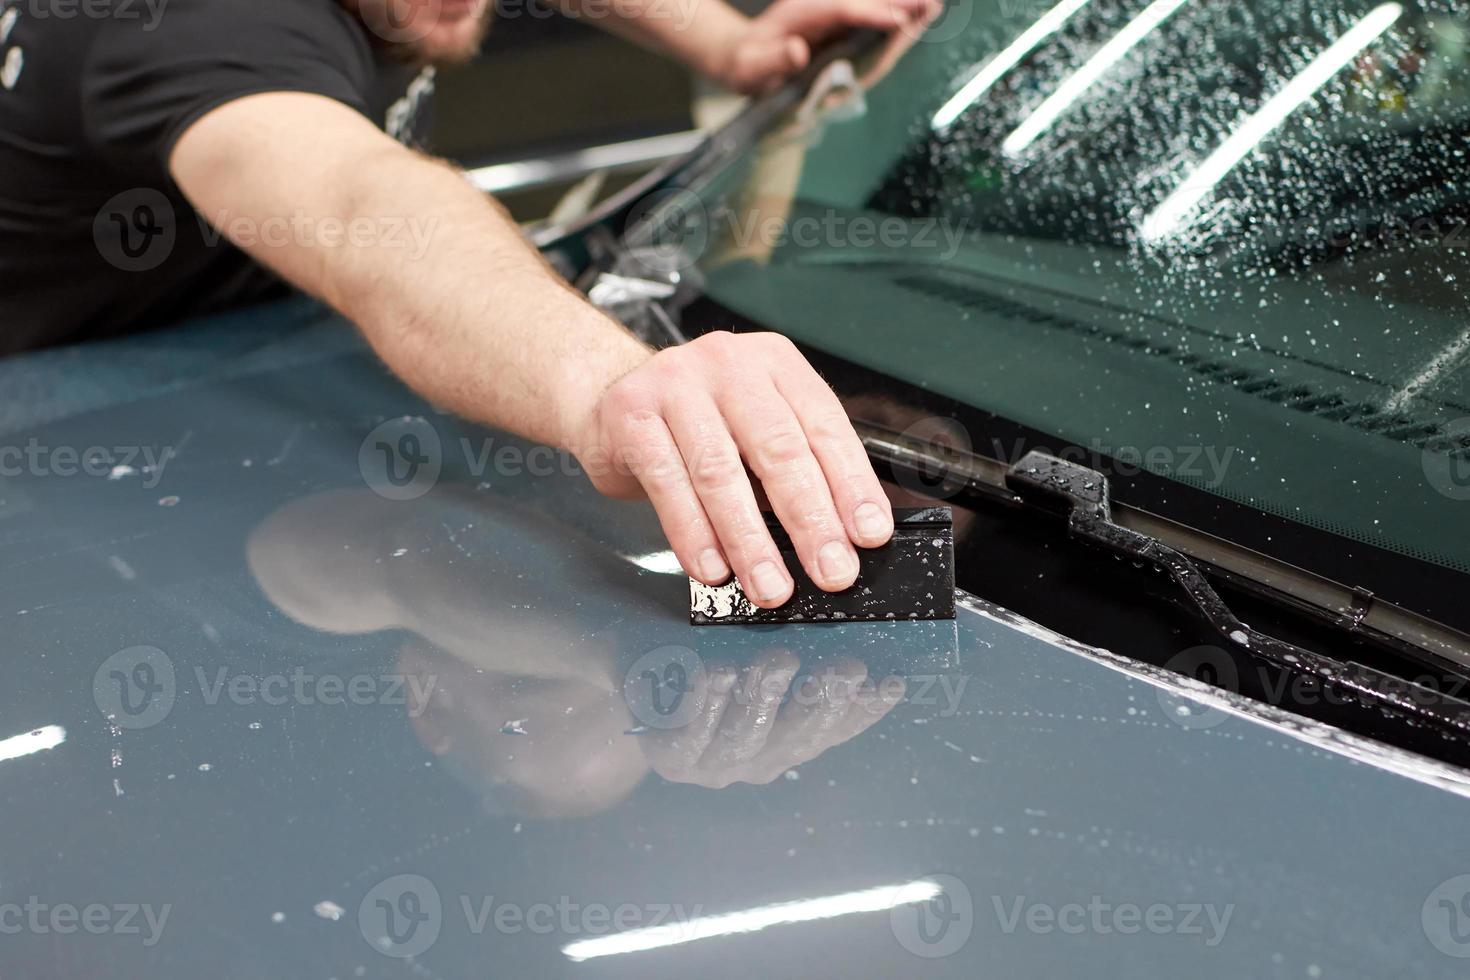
772 439
811 720
678 752
788 55
856 492
822 18
748 719
659 467
870 705
718 475
798 54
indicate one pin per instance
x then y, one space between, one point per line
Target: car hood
306 722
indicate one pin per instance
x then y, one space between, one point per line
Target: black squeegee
910 577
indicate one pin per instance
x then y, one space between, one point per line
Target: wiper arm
1081 495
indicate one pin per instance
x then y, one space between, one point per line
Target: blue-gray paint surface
1018 771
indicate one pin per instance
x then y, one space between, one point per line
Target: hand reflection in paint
753 724
527 627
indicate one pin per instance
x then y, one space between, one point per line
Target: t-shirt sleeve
141 88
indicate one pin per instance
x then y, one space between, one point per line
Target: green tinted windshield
1223 241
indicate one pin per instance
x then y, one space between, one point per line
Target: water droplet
329 910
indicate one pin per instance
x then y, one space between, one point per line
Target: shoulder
240 33
144 83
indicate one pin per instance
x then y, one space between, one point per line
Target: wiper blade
1081 495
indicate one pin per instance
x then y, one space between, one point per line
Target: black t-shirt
95 237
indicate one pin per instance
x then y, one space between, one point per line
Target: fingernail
712 566
871 521
837 562
768 581
722 680
773 686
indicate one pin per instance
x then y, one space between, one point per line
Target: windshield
1225 242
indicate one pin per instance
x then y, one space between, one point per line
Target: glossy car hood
304 729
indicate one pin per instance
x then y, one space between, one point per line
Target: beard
438 32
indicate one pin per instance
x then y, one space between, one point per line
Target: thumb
798 53
764 63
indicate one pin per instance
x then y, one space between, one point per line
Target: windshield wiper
1080 496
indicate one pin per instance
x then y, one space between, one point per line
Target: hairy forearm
478 323
467 313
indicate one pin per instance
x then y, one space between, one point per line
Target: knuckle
624 400
781 447
656 470
830 428
670 364
641 419
717 466
656 465
748 543
778 342
694 534
720 344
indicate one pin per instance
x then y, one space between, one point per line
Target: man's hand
683 426
750 55
777 44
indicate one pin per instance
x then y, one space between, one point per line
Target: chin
453 43
427 31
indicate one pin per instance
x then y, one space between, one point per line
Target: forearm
478 323
455 301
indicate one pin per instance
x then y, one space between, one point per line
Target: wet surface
1222 243
250 693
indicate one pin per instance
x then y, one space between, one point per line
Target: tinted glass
1225 242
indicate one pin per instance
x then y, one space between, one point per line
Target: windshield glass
1225 242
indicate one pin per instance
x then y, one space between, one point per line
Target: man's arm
479 324
748 54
